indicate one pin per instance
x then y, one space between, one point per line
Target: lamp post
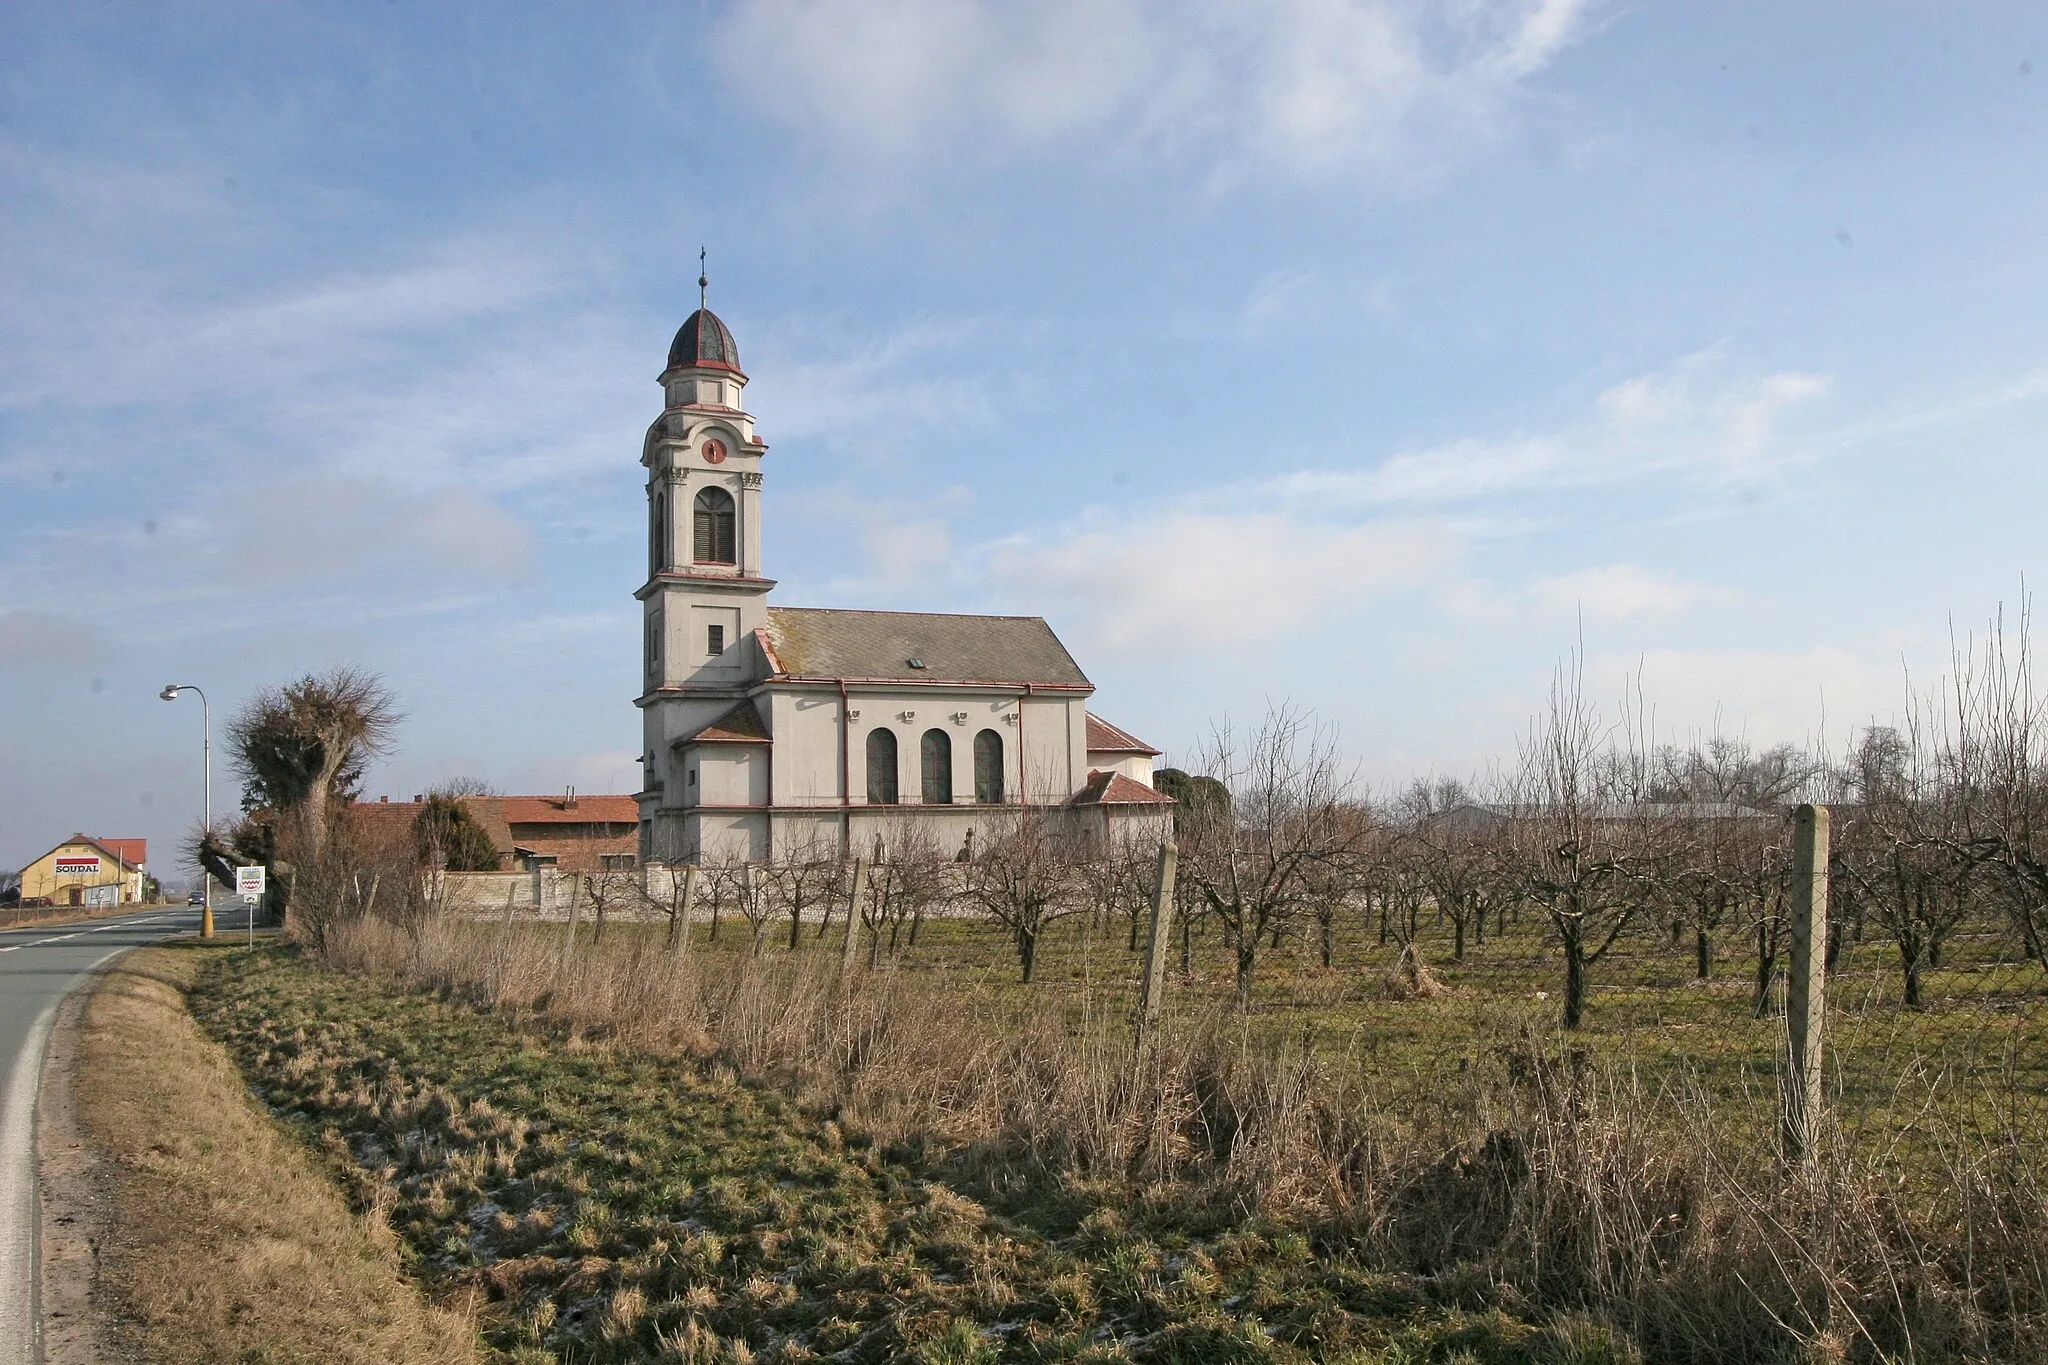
170 693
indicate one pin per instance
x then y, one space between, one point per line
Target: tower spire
703 281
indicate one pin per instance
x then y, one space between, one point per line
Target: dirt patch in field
213 1236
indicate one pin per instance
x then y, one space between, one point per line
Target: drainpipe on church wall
845 775
1023 763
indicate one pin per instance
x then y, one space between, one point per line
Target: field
636 1154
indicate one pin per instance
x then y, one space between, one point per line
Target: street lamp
170 693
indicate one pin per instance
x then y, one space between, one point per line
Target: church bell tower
705 595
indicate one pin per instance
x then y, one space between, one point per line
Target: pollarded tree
300 751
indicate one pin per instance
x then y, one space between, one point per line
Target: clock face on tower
713 451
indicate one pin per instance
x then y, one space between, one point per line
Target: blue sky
1360 354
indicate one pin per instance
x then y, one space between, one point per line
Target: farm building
84 870
572 832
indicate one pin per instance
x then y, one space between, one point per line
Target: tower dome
704 343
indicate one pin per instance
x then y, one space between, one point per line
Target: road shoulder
184 1224
77 1206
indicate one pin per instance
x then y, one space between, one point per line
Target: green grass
1984 1022
604 1204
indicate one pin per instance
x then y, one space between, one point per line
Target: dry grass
1535 1174
226 1243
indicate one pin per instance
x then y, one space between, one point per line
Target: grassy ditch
611 1201
225 1241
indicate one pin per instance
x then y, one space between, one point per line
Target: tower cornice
699 582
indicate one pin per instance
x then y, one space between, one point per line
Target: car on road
196 898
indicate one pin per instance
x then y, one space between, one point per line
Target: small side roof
1114 789
741 725
809 642
1104 738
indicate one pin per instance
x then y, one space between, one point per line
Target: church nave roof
918 647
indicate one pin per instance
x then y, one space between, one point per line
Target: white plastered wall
1137 767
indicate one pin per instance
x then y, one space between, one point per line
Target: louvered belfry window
935 753
716 538
988 767
881 767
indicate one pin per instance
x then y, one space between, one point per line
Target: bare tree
1445 837
1022 877
1725 769
741 884
911 874
1111 879
606 891
1255 860
1993 756
1578 839
1907 846
805 876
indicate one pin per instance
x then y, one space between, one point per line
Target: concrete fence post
860 889
1152 990
1806 981
681 927
569 933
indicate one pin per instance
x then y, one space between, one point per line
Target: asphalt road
38 968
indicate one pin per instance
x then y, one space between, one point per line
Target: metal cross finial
703 281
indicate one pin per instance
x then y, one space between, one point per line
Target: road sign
249 883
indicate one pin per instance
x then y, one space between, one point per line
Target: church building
774 729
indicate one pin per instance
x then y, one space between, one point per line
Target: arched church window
657 522
988 767
716 541
936 759
881 767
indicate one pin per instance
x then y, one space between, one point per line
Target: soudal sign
86 866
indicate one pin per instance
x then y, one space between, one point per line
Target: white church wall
805 723
722 838
806 834
731 774
1052 731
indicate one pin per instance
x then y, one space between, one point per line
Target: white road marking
37 943
20 1318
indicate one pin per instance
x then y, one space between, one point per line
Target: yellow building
87 871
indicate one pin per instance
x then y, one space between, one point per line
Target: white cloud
1187 582
1682 420
1770 695
825 386
1311 88
1616 592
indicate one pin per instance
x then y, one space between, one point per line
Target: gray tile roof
813 643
